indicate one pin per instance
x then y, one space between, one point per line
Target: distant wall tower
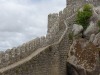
52 19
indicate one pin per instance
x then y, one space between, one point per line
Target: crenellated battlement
52 19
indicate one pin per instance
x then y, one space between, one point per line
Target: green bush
87 7
99 23
70 36
84 16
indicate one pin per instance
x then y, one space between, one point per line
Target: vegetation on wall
84 16
99 23
70 35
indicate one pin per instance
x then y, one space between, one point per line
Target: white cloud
23 20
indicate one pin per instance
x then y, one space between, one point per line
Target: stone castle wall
42 64
17 53
49 61
55 29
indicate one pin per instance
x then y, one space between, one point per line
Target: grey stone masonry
52 20
79 2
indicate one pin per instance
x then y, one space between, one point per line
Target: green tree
84 16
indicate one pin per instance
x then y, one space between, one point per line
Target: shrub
84 16
99 23
87 7
70 36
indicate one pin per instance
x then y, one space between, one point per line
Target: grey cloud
23 20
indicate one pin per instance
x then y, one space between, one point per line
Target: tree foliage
84 16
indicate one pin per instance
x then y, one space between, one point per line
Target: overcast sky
23 20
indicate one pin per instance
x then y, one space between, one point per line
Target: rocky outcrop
97 10
93 26
96 40
92 38
92 29
77 29
74 70
83 54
